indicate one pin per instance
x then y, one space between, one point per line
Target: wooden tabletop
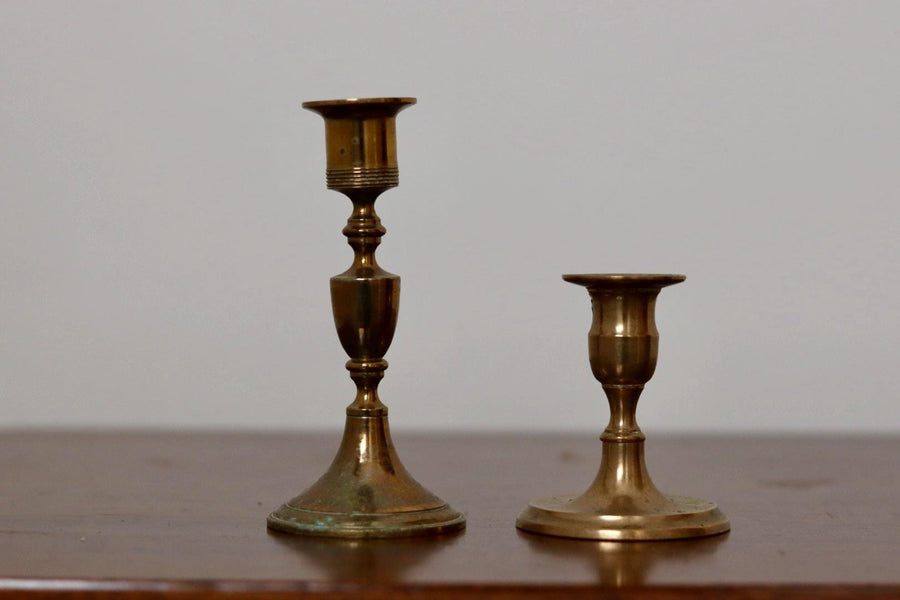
153 514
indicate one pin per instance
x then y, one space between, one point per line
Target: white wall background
166 237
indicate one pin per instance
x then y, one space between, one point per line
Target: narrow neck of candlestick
367 375
623 425
363 230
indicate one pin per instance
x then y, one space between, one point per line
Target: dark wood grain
183 515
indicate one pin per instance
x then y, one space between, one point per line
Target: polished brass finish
622 503
366 492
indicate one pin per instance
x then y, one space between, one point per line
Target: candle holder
622 503
366 492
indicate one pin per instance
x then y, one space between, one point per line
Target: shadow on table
370 560
621 564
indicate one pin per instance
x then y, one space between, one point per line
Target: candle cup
366 492
622 503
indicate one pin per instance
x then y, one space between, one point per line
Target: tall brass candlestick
622 503
366 492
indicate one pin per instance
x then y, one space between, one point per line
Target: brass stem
367 375
363 230
623 471
623 425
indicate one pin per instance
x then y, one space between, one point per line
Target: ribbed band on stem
362 177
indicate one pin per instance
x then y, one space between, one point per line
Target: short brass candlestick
622 503
366 492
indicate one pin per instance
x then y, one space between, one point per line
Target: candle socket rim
623 280
360 108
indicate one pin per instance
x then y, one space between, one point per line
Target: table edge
190 589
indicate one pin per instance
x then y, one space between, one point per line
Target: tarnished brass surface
622 503
366 492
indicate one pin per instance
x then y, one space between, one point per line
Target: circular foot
682 517
366 525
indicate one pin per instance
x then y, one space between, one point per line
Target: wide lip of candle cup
355 108
623 280
358 101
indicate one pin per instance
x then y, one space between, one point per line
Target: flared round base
682 517
434 521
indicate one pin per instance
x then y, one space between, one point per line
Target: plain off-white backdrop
166 237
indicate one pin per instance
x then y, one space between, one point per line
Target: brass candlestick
622 503
366 492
